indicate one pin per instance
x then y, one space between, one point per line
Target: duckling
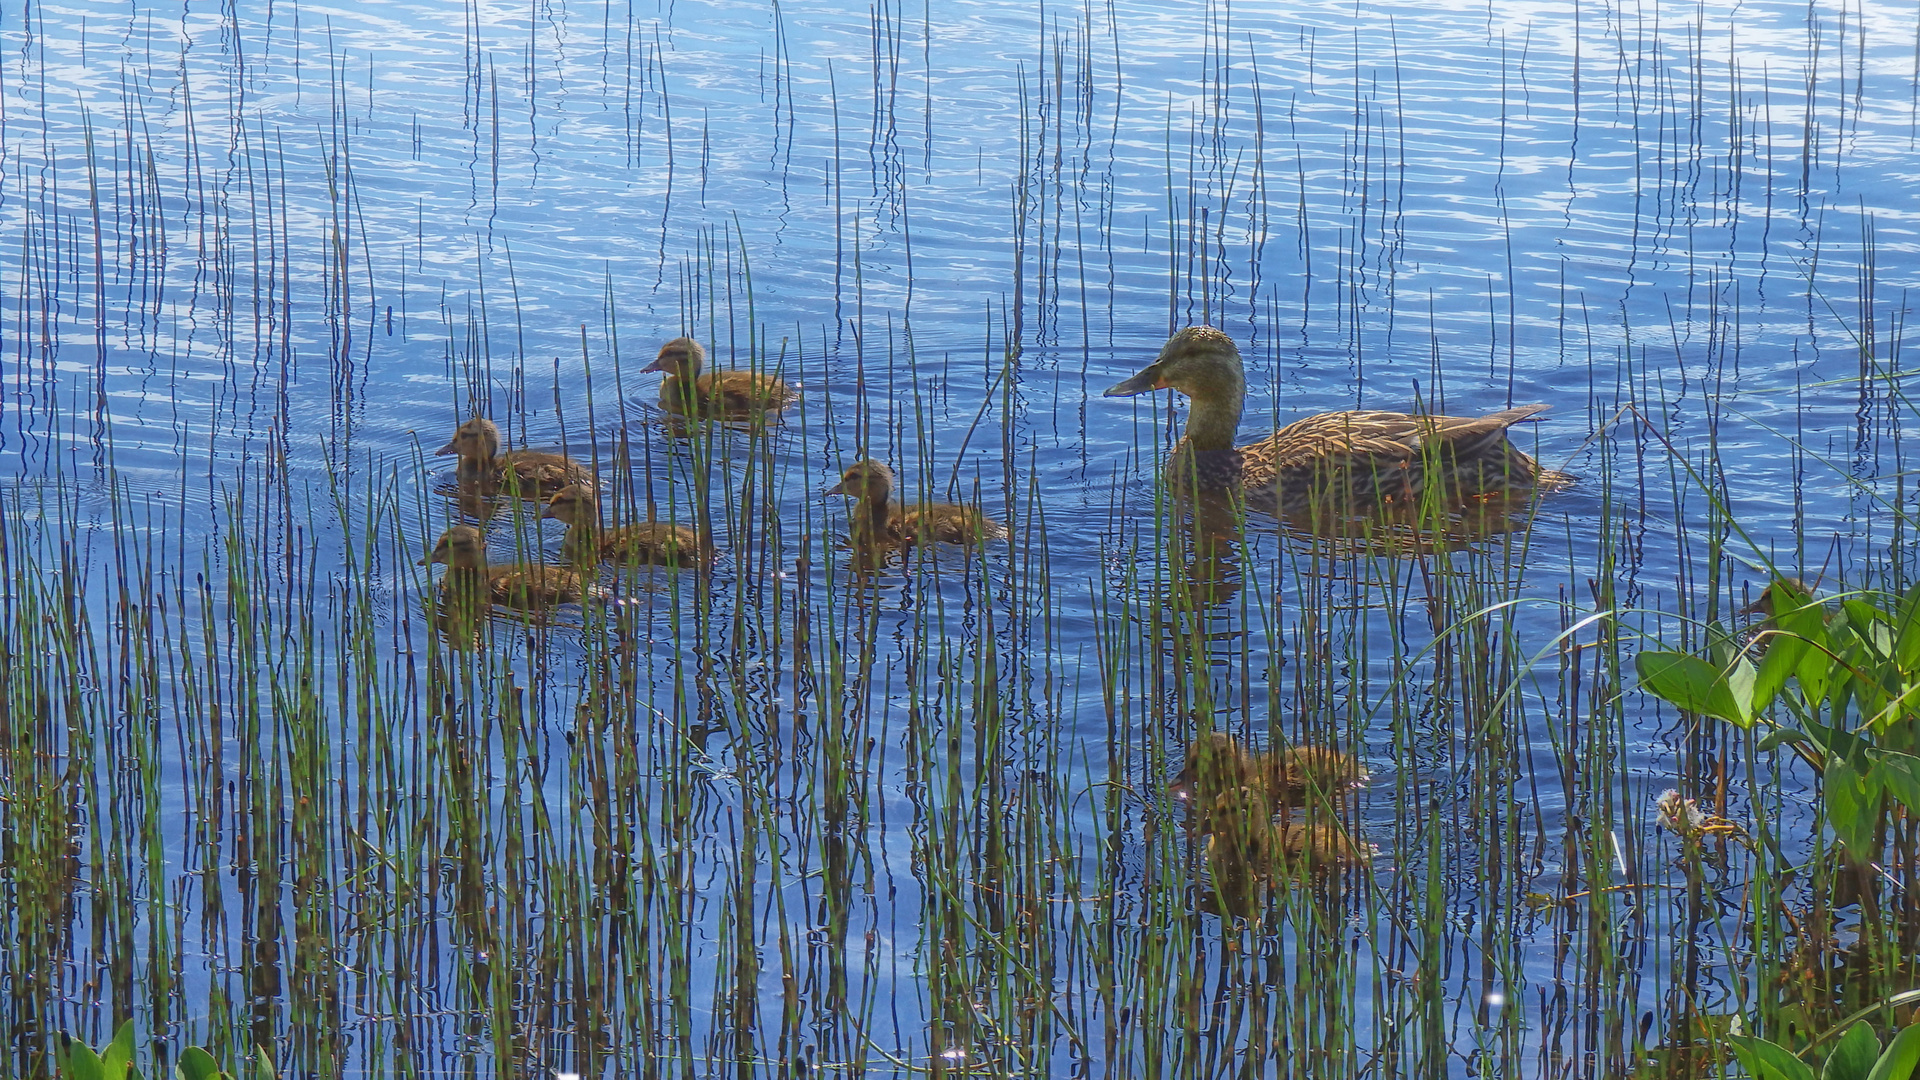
1246 850
469 579
528 473
877 522
727 395
1318 850
1238 825
1295 776
1338 462
660 542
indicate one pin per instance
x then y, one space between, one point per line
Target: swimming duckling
524 586
877 522
1295 776
1332 463
1246 849
528 473
658 542
726 395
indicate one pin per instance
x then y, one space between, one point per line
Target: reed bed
798 816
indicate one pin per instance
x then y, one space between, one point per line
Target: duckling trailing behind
1295 776
659 542
1339 462
470 579
877 522
1246 849
527 473
726 395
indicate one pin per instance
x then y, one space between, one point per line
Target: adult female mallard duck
877 522
659 542
1339 462
531 474
471 580
725 395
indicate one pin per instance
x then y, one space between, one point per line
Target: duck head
573 504
1216 762
476 440
682 356
865 480
462 546
1200 362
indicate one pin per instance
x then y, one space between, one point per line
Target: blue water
959 225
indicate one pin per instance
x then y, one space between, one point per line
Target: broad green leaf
119 1053
1899 774
1695 685
1853 806
1869 623
1906 638
1853 1059
1900 1058
1783 655
83 1063
1766 1061
262 1065
1733 695
196 1064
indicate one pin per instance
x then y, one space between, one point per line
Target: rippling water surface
261 260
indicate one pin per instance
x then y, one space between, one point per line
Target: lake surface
261 260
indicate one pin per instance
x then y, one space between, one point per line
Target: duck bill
837 489
655 366
1145 382
450 448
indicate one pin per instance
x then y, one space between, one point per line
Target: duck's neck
871 517
582 540
1213 420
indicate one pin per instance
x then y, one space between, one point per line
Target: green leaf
1853 806
1676 677
1782 659
1901 1056
1870 624
1767 1061
119 1053
196 1064
1899 774
1906 639
1781 736
262 1064
83 1063
1853 1059
1697 686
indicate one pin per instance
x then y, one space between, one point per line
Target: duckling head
573 504
682 356
462 546
1200 362
865 480
477 439
1216 762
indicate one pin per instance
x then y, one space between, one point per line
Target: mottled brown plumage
1246 849
878 522
659 542
725 395
529 474
470 579
1295 776
1339 462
